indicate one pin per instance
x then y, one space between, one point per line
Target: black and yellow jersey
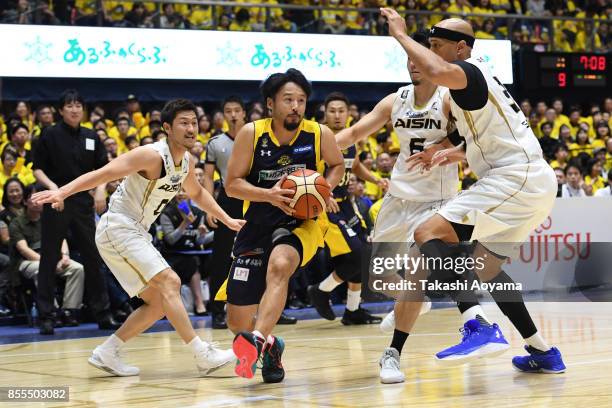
271 160
341 190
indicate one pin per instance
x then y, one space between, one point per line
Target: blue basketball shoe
479 340
548 362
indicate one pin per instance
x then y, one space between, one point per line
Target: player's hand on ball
53 197
397 24
278 197
331 205
235 224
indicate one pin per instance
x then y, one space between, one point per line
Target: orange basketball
310 192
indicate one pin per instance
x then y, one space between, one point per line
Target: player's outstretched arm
206 202
238 169
136 160
369 124
429 64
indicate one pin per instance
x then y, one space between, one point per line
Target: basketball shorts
254 243
127 250
342 231
505 205
398 218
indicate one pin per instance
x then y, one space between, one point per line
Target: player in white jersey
153 176
515 191
419 120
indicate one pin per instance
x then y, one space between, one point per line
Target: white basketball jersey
142 199
417 128
497 135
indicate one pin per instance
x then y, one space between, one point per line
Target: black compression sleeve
474 96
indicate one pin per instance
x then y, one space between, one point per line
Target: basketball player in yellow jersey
273 244
153 175
344 231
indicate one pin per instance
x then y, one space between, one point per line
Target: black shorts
246 282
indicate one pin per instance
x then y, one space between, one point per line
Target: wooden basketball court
329 365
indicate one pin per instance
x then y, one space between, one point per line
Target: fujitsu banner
571 249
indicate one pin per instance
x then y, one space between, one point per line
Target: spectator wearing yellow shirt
9 162
25 114
201 17
561 157
575 119
133 107
123 131
551 116
602 134
441 13
19 138
482 7
488 31
242 22
332 20
581 145
461 7
204 133
534 124
593 178
44 118
354 20
154 116
111 147
557 105
565 135
608 159
384 165
114 131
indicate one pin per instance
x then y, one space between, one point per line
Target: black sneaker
272 369
218 321
56 316
69 317
320 301
284 319
359 316
46 327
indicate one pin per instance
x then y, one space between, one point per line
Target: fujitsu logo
543 246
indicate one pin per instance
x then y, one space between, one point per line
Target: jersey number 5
161 206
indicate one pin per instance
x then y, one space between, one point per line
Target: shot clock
565 71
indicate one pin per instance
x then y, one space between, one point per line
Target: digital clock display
569 70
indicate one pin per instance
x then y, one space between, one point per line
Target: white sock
536 341
472 312
197 345
328 284
353 298
113 342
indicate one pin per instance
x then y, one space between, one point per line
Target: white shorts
505 205
399 218
127 250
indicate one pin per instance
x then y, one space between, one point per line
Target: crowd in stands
575 141
561 35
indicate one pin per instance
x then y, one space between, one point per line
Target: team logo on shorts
241 274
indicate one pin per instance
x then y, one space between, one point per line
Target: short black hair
70 96
173 107
561 146
336 96
233 99
546 124
9 149
18 126
43 106
130 139
572 165
28 191
270 87
5 202
121 119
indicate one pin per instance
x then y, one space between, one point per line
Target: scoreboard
565 71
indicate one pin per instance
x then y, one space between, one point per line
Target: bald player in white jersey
515 190
153 176
420 120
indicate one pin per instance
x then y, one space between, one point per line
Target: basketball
310 192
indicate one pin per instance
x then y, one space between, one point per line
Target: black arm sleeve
455 138
474 96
